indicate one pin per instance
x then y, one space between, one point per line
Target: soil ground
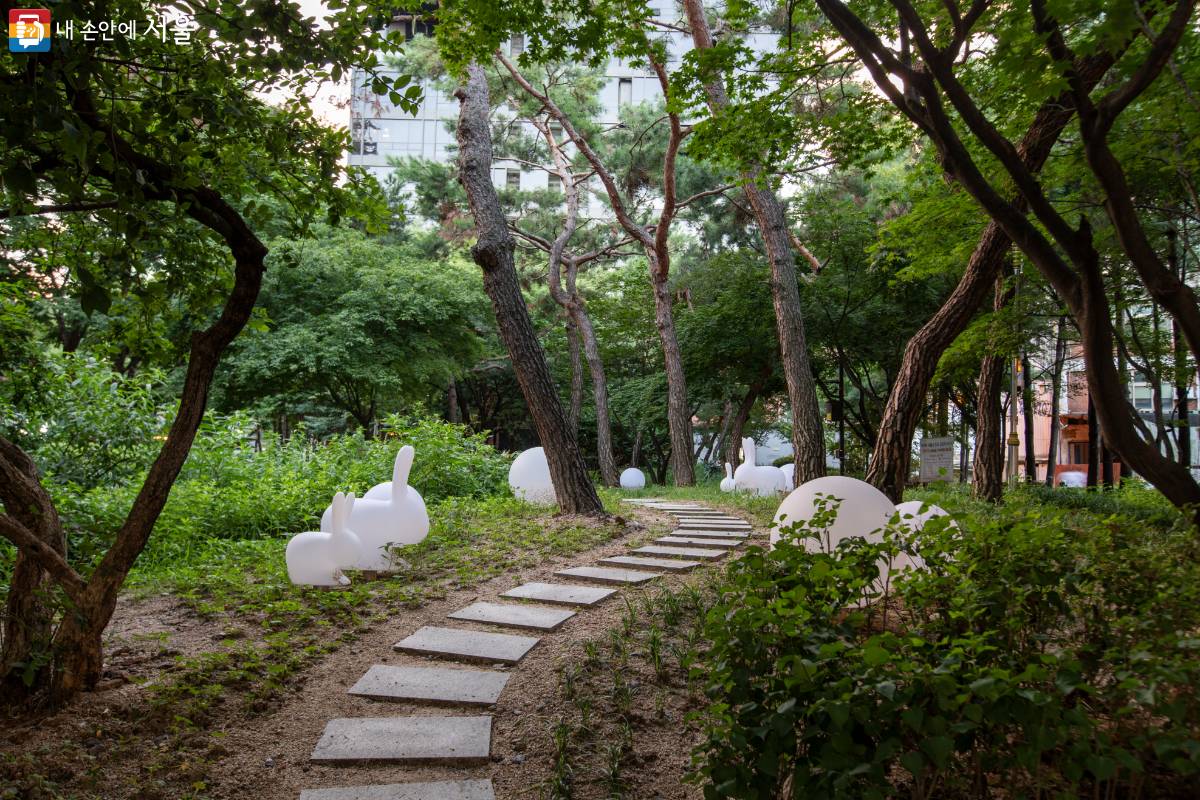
96 747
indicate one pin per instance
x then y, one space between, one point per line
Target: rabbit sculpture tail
727 483
391 514
317 558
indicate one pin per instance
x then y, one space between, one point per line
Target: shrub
229 490
1035 655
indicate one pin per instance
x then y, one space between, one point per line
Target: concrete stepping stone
699 553
431 685
739 535
700 524
641 562
608 574
538 618
699 541
458 643
412 740
562 593
439 790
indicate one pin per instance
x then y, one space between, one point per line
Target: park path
452 673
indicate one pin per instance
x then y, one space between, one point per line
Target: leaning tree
174 133
945 67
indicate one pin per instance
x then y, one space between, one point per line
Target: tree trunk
808 435
1093 444
493 252
734 443
1027 411
989 439
1060 351
679 415
453 411
989 444
1183 429
576 375
591 351
890 458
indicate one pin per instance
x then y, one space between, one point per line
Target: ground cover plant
1045 652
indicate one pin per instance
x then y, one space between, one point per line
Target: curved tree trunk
493 252
808 433
989 445
576 408
679 415
890 458
591 352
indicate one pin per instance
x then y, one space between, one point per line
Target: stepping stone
539 618
431 685
440 790
608 574
699 541
668 564
458 643
739 535
700 553
406 740
563 593
699 524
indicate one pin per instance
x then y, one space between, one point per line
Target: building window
516 45
512 179
554 183
624 91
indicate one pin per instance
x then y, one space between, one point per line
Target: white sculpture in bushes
727 484
863 511
633 478
395 516
749 477
915 513
529 478
317 558
789 476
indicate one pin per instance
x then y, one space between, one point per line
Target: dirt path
269 758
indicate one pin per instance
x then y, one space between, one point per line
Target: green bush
1039 655
229 490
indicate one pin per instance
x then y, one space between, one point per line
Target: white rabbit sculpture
727 484
317 558
749 477
392 513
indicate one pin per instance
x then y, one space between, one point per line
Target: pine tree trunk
576 408
808 434
989 443
493 252
679 416
591 350
733 444
1093 443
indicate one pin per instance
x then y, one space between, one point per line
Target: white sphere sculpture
529 478
396 517
862 511
633 478
317 558
920 513
727 484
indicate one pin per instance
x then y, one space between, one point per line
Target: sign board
937 458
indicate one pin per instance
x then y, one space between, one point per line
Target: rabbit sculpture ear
728 470
749 451
404 462
346 546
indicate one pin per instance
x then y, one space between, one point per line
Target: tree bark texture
989 441
1060 351
493 252
1027 413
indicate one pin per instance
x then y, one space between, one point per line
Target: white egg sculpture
633 478
920 513
727 484
317 558
529 478
862 511
395 516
